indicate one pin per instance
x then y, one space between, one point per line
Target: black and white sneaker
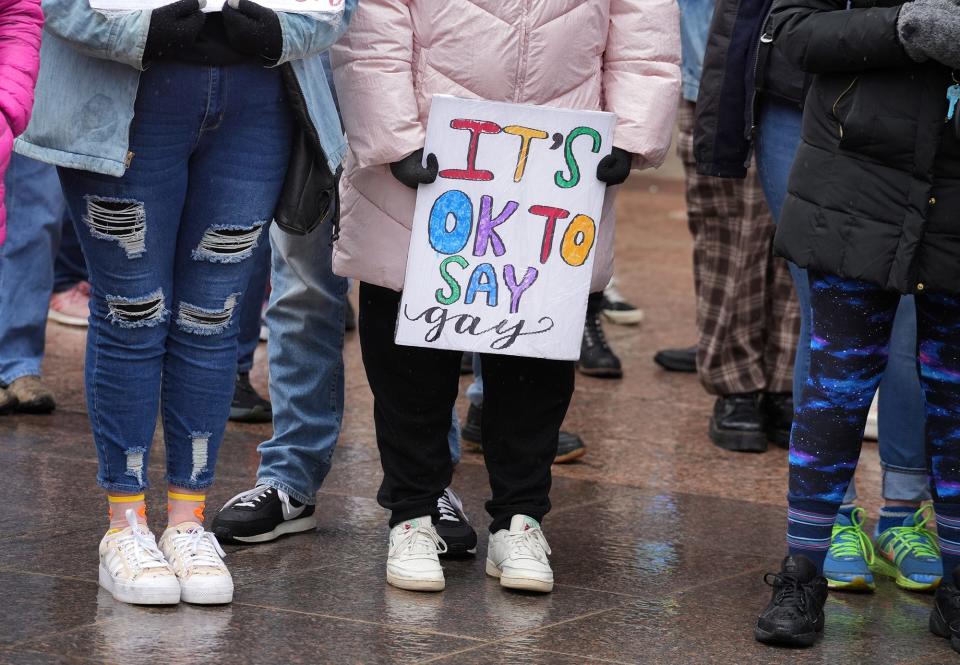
453 526
261 515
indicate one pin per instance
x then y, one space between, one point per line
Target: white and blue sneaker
847 566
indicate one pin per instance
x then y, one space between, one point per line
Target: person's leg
305 320
224 220
414 389
69 268
248 406
34 208
850 342
525 402
729 289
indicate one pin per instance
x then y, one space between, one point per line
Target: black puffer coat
875 189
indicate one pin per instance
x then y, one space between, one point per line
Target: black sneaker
777 412
617 310
945 617
794 616
261 515
248 406
677 360
596 357
736 424
570 447
454 527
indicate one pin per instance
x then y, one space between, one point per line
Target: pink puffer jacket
613 55
21 22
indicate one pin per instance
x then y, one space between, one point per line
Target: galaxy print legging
852 322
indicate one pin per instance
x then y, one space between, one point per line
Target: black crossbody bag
309 196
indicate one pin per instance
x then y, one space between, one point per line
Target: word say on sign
293 6
501 252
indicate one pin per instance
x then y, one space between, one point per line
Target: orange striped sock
119 505
185 508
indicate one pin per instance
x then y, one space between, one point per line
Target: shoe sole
207 597
283 529
883 567
604 373
858 584
65 320
784 639
518 583
457 552
415 585
9 407
36 407
254 415
675 367
573 455
779 438
738 442
137 596
634 318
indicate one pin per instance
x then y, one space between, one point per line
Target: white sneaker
519 556
133 569
412 561
616 309
197 559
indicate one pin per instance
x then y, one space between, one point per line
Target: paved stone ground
660 539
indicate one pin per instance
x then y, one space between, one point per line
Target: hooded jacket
21 22
874 193
621 56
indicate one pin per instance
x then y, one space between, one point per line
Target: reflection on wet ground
660 539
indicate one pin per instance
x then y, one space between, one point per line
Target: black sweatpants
525 401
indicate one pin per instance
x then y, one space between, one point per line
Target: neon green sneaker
910 553
848 562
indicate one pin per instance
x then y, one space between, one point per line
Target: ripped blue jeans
169 248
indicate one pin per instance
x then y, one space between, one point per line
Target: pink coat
613 55
21 22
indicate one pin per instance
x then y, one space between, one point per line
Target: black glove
173 28
253 30
615 167
410 171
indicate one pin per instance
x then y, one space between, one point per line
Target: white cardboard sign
297 6
501 252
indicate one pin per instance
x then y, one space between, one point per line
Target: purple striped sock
948 532
809 532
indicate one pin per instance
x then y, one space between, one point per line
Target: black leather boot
737 425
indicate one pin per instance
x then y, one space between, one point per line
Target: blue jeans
251 307
902 443
34 216
305 319
69 268
169 248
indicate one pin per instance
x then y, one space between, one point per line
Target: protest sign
501 255
300 6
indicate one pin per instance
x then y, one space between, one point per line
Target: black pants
414 389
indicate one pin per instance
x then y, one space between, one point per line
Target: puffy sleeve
21 22
641 76
373 72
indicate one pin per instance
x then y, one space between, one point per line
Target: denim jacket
695 17
90 66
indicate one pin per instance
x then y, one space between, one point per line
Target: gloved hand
929 30
410 170
615 167
173 28
253 30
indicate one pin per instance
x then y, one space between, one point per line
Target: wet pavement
660 539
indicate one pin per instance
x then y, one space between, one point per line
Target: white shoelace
529 544
139 547
252 498
448 505
199 547
421 540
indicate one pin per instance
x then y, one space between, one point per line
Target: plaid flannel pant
747 313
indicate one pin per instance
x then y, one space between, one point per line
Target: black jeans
525 401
